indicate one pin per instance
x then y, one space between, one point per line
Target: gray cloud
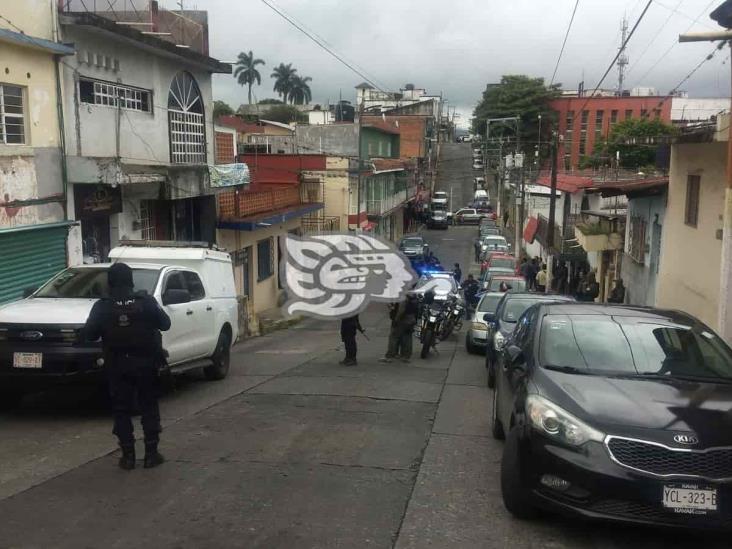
456 47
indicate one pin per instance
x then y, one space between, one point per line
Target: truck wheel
221 359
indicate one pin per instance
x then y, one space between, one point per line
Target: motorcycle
432 315
455 311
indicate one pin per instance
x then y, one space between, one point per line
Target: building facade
139 136
33 220
584 122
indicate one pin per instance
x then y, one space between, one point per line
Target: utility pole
550 244
724 316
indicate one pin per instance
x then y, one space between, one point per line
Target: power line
564 43
326 48
620 50
686 15
655 36
675 43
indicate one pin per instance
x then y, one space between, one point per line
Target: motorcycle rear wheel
427 340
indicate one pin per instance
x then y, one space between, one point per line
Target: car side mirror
29 292
516 356
176 297
489 317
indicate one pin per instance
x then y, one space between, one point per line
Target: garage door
29 257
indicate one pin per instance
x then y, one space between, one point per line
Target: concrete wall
333 139
264 294
640 278
336 190
688 277
93 130
31 170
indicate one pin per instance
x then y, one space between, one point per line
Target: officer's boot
153 458
127 461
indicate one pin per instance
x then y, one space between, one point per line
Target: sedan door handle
189 312
209 308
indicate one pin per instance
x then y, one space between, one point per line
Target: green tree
300 93
270 101
636 139
283 75
221 108
522 96
246 71
283 113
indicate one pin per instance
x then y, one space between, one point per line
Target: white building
138 113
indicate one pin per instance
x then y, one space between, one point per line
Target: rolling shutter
30 257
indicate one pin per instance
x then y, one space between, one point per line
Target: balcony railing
384 205
326 224
184 28
246 203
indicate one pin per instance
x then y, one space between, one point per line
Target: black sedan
502 323
616 413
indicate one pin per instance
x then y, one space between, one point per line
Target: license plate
27 360
690 499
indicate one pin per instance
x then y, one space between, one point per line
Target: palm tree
299 90
246 71
283 75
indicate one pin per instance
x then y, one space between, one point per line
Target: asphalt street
293 450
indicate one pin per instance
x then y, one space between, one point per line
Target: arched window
186 121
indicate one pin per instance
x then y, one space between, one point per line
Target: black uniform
349 326
129 324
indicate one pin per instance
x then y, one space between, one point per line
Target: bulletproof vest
411 307
130 328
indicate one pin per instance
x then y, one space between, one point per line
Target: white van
41 339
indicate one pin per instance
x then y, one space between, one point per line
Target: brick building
585 121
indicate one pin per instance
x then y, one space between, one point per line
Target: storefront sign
93 200
229 175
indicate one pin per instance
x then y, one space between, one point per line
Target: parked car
476 337
481 194
439 199
488 274
499 259
438 219
479 182
413 246
616 413
493 242
488 230
41 337
467 215
515 283
502 324
477 164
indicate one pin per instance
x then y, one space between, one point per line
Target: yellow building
33 226
691 248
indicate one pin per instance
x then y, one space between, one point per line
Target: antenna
622 58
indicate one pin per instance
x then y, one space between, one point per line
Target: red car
497 259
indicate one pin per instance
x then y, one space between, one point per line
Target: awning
530 231
39 227
267 219
49 46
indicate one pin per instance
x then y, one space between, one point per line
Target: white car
41 336
439 198
481 194
478 165
479 181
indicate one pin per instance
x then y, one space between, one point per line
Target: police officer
349 326
129 324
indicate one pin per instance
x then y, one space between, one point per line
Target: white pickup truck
40 336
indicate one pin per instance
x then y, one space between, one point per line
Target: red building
585 121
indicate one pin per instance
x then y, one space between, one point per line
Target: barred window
12 120
691 213
109 94
637 239
265 259
186 121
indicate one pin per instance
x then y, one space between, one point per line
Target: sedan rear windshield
632 346
489 303
505 262
411 242
515 308
92 283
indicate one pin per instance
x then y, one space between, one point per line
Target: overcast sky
456 47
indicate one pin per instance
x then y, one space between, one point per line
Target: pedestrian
129 325
457 273
470 289
477 248
541 279
349 326
524 268
506 216
589 289
617 294
531 272
403 320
